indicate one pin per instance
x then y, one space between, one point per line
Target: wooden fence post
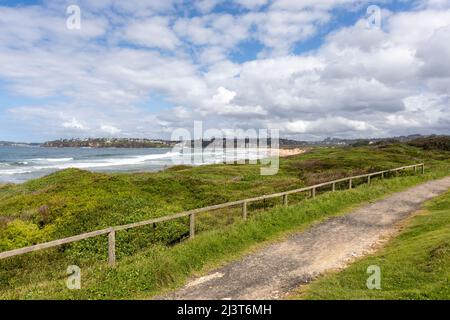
112 248
285 199
111 232
192 225
368 179
244 210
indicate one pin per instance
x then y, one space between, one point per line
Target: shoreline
131 168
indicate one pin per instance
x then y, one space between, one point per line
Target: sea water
19 164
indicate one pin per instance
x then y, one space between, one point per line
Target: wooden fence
111 231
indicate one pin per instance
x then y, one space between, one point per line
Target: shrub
432 143
19 233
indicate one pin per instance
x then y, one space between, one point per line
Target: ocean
20 164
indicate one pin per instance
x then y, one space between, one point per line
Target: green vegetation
432 143
414 265
108 143
73 201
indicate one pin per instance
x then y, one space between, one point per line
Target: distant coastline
18 144
161 143
108 143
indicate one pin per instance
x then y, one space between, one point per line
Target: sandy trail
290 152
280 267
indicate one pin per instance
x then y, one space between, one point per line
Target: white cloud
279 30
438 4
433 51
327 125
73 124
153 33
222 104
205 6
252 4
222 30
110 129
102 80
28 27
223 96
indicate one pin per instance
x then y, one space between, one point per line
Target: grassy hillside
432 143
73 201
415 265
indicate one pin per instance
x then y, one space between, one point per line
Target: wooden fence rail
111 231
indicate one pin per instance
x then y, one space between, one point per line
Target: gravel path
280 267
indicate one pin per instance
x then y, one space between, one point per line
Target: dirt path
278 268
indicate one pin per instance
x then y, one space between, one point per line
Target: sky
309 68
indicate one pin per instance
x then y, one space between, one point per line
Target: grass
414 265
152 259
73 201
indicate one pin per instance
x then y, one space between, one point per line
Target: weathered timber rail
111 231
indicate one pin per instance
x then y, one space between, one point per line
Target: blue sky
144 68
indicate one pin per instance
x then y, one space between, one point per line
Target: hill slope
73 201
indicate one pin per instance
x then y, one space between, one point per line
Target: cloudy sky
141 68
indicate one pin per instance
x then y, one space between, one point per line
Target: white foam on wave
114 162
52 159
89 164
54 164
17 171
